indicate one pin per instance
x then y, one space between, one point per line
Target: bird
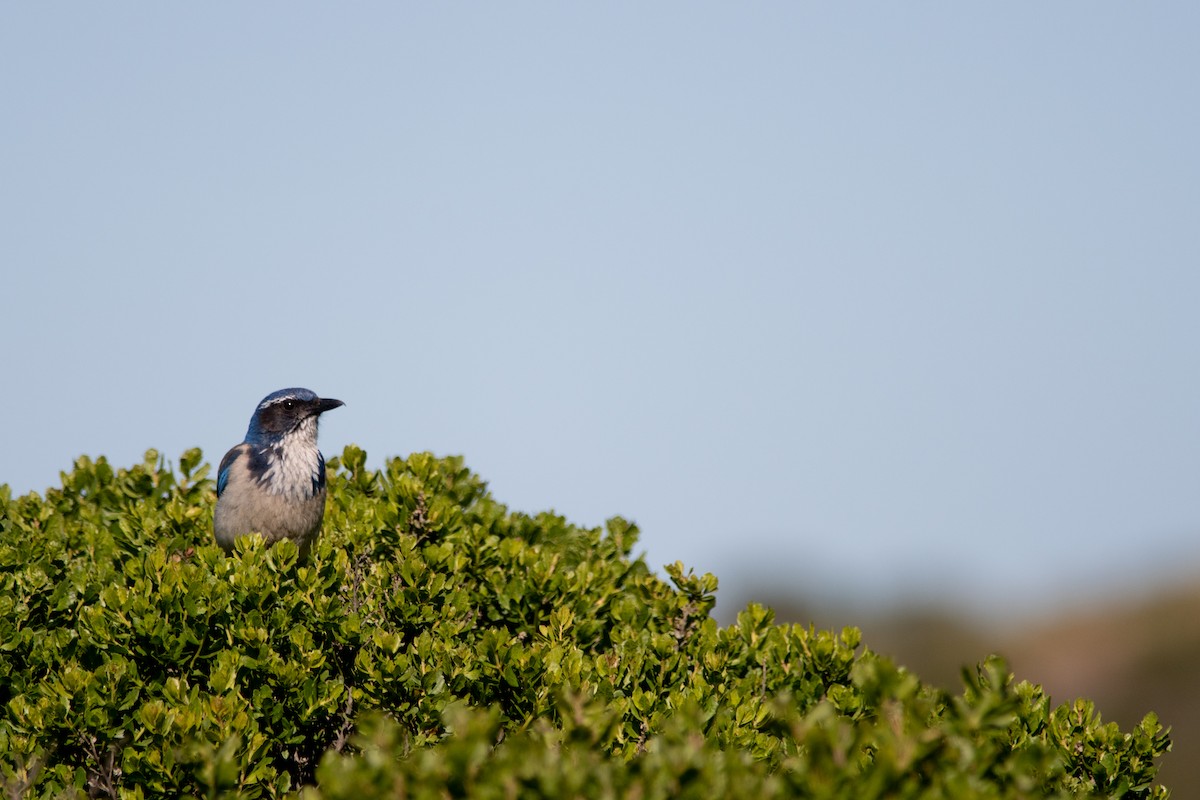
273 483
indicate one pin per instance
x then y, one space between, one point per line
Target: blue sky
871 303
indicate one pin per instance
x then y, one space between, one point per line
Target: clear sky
871 301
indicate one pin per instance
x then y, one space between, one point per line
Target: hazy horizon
888 303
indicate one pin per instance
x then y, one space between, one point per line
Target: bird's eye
289 404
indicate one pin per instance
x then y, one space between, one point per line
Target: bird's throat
293 464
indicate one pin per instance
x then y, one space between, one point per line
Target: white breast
294 464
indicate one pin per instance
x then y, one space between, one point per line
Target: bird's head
285 412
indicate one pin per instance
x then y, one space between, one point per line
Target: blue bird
273 483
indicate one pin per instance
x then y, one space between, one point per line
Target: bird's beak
327 404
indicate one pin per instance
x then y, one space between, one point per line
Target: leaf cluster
438 644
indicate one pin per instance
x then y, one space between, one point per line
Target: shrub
437 644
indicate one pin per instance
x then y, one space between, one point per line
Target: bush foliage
437 644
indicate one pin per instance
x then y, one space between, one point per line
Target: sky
877 303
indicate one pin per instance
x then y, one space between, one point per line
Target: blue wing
226 463
319 480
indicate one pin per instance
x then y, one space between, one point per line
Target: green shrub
438 644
